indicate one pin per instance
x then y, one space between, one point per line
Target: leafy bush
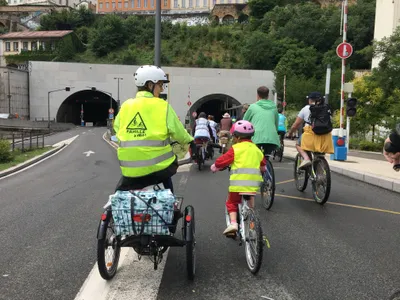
370 146
5 153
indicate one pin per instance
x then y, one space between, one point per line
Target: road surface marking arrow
88 153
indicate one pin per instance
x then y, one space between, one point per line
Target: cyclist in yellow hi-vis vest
144 128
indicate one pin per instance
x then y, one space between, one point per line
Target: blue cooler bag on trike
142 212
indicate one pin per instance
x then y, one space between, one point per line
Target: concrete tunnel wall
46 76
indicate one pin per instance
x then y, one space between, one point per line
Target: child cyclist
245 159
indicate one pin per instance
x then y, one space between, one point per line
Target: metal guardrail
25 138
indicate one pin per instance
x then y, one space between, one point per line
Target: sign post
111 113
344 51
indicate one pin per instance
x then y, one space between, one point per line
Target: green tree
3 3
259 7
372 105
388 74
108 35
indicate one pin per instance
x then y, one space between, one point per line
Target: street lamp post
67 89
118 101
157 35
9 90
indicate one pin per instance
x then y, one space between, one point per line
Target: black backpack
320 118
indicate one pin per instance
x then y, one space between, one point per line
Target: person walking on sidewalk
264 116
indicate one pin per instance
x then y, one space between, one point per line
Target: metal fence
25 140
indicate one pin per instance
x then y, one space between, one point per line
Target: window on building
145 3
175 3
113 5
34 46
16 46
152 3
53 45
138 3
190 3
42 46
221 1
183 3
126 5
214 2
8 46
197 3
119 4
165 3
132 3
101 5
25 46
107 5
205 3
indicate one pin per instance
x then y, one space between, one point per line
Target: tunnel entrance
214 104
94 106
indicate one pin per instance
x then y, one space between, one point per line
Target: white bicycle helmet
149 73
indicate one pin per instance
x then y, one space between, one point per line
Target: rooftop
36 34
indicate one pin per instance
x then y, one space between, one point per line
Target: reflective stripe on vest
146 163
244 183
144 143
245 171
143 134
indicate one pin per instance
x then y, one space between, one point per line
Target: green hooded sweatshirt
264 116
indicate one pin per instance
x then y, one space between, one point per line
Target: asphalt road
48 220
49 216
317 252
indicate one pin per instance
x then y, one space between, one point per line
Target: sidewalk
372 171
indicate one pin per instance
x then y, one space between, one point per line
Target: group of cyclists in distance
146 156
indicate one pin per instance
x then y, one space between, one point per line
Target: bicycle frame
243 207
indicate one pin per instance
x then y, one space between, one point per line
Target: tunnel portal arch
94 104
214 104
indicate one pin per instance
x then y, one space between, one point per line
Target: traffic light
351 108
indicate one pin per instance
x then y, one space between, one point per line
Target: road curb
30 162
387 184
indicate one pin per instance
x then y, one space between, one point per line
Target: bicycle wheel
300 175
281 151
253 241
199 158
108 267
267 189
321 185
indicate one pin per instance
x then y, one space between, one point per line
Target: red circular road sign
284 104
111 111
344 50
189 103
194 114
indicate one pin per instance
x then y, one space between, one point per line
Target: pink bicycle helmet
243 129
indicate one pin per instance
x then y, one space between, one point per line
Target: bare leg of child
233 217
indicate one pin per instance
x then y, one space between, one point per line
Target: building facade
387 19
15 42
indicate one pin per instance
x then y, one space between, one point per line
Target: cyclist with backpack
317 136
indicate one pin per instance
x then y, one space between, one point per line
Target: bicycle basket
143 212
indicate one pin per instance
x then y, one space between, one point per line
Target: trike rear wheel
107 263
190 239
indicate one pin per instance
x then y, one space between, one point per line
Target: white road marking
265 297
88 153
66 142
